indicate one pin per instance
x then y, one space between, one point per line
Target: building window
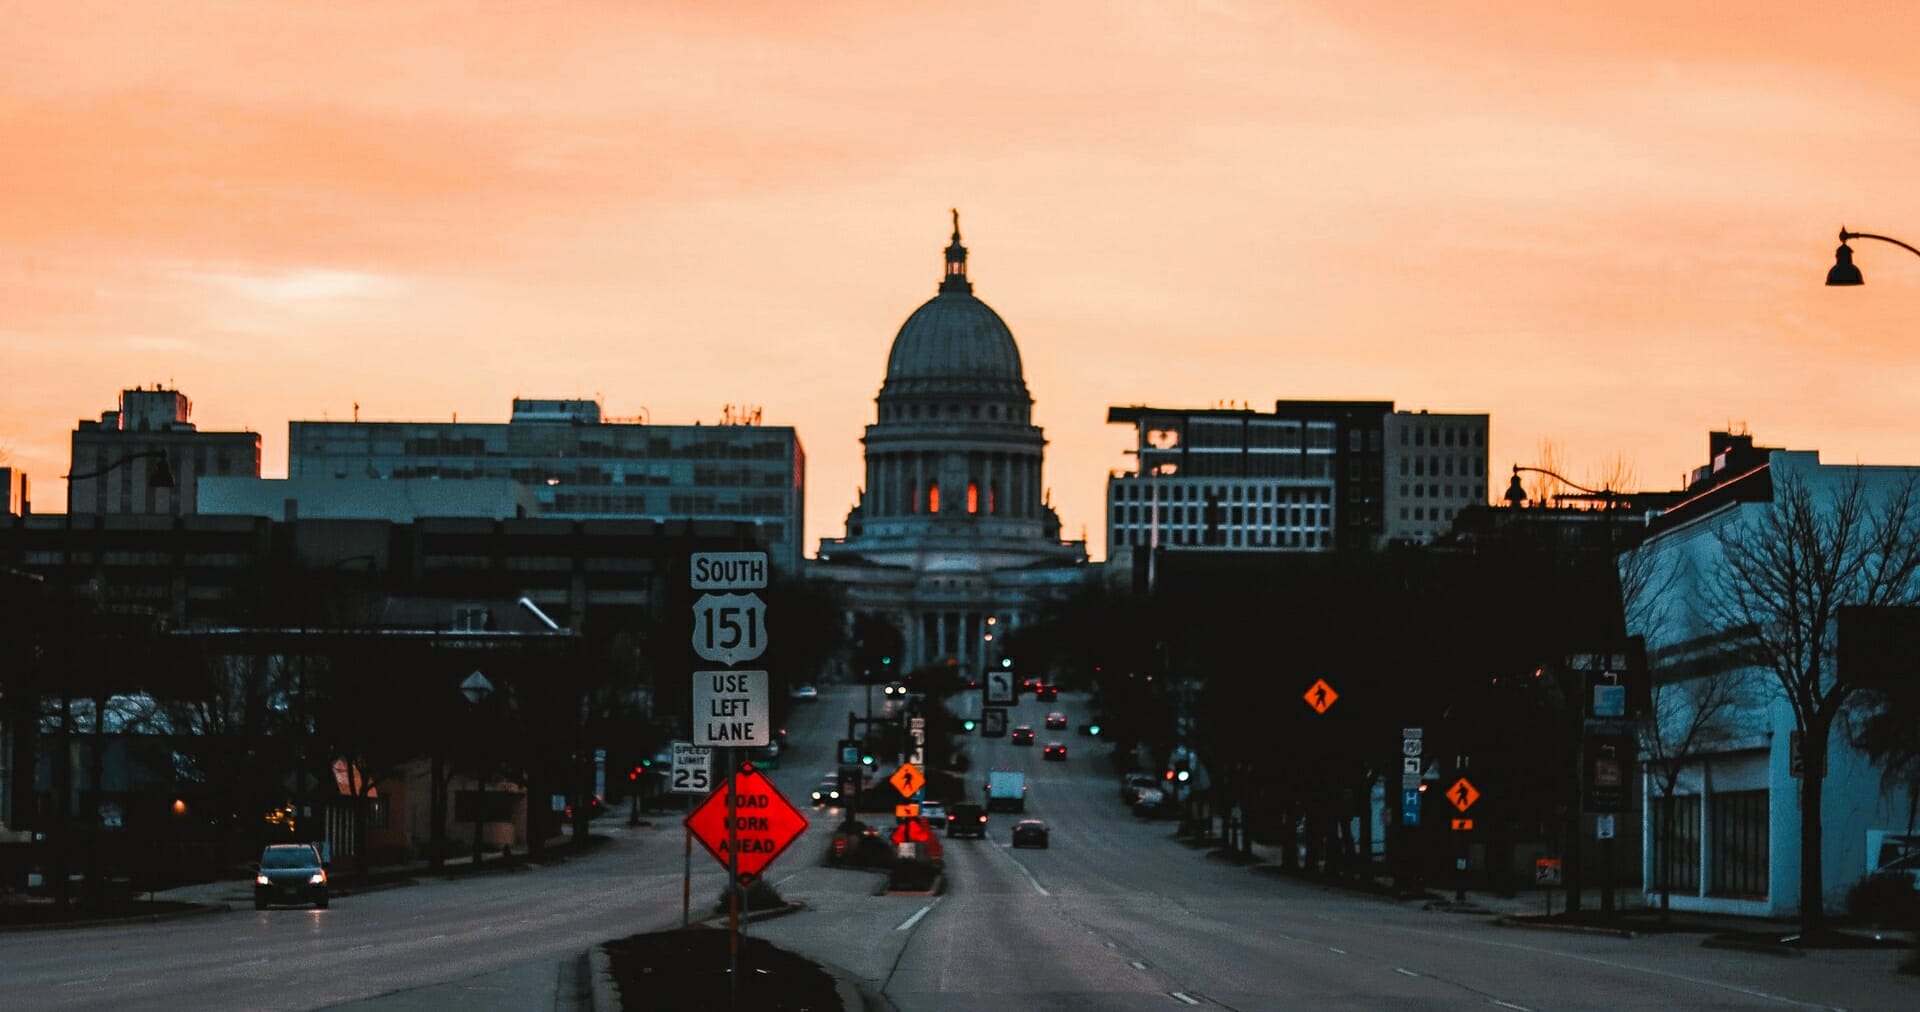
1682 866
1738 820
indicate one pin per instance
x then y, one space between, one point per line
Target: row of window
1466 492
1172 517
1133 491
894 412
1437 464
1737 842
1448 435
1230 538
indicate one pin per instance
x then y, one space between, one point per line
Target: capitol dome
954 340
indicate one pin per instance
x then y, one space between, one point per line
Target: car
1029 685
828 791
1030 833
1133 783
596 807
1046 693
805 693
1023 734
1152 802
966 820
896 689
290 873
1056 721
1056 751
934 812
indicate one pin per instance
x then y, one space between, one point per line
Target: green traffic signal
886 661
966 725
1006 662
866 759
1094 730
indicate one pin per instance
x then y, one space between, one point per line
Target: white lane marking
1136 964
88 980
1110 945
1508 1004
1185 998
1409 973
1340 951
915 919
1037 887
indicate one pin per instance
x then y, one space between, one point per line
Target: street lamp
1516 496
476 688
1844 273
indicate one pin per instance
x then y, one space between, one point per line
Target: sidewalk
1530 908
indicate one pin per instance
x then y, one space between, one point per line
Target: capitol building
952 540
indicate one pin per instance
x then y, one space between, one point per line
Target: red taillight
983 818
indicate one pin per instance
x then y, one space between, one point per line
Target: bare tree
1690 715
1787 572
1690 711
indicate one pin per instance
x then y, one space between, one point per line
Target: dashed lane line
1189 999
915 919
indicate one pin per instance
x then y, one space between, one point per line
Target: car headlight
317 878
262 880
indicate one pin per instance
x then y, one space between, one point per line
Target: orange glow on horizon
1605 225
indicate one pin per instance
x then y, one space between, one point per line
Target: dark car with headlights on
290 873
966 820
1030 833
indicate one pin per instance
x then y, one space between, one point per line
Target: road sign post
731 711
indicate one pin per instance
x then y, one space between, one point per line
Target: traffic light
1006 662
886 662
866 758
634 773
967 726
1093 730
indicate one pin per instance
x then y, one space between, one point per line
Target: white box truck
1006 791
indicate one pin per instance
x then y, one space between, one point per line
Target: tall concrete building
1436 467
119 456
1312 476
952 536
580 465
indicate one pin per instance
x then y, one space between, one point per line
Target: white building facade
1736 806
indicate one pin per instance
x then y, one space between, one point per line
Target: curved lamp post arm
1517 495
161 475
1846 235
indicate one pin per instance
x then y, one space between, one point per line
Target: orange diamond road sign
908 780
1321 696
1462 794
764 821
911 831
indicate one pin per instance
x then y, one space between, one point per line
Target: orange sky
1603 224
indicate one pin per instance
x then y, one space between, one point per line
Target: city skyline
1605 226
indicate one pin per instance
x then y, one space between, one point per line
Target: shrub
761 895
1885 899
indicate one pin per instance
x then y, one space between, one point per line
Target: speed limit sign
692 770
729 628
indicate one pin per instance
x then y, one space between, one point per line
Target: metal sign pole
733 884
686 880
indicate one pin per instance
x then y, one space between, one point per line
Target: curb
600 995
748 917
1743 945
1528 921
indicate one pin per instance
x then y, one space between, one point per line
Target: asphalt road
1119 915
462 935
1116 914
